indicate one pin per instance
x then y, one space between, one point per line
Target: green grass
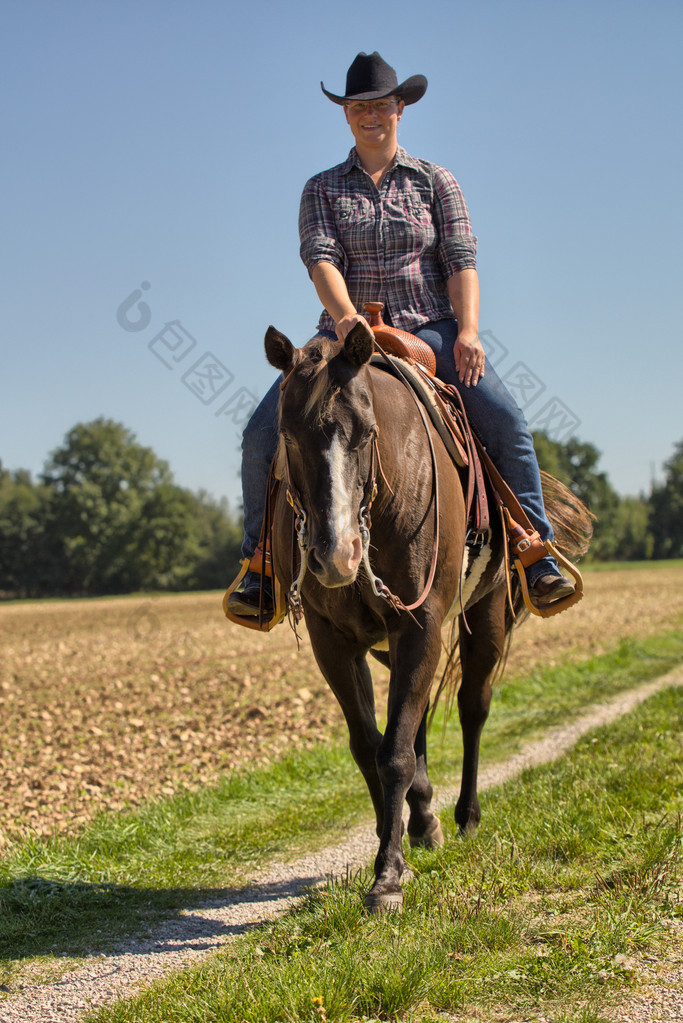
572 876
523 708
74 895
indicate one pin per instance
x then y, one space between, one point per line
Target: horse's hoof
469 828
432 839
467 820
381 903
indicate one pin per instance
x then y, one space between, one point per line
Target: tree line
626 528
106 516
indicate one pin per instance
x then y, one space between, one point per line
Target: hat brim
409 91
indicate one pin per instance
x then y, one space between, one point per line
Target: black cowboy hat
370 77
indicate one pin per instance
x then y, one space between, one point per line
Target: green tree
220 539
115 512
575 464
24 554
666 509
621 527
631 529
107 517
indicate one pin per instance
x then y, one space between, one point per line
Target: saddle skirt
440 410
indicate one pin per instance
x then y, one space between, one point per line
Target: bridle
301 518
300 533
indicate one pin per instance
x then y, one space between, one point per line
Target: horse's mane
322 392
322 388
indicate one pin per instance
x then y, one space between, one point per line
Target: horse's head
328 428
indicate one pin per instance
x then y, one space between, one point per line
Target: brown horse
349 428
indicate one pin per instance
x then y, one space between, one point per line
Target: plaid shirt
398 244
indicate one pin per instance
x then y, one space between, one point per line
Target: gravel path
189 937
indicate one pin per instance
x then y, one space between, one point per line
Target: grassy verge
523 708
542 915
72 896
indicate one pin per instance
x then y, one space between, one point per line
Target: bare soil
108 702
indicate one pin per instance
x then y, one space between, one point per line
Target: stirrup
558 605
257 622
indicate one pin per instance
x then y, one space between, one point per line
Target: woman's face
374 122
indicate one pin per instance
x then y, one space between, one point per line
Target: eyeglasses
382 106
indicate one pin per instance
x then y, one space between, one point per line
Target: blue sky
167 143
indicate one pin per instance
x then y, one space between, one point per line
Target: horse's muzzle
336 565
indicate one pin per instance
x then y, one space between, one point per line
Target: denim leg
259 444
499 424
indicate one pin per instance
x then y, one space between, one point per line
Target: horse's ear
279 350
359 344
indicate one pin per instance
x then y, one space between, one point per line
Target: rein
379 588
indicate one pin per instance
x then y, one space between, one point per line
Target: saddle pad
422 388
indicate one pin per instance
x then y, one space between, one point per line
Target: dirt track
98 697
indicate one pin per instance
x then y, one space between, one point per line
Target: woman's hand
469 358
345 325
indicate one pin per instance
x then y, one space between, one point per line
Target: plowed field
107 702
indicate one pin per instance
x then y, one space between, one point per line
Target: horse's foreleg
414 657
364 736
424 827
480 651
348 676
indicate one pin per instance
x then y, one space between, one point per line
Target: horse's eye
364 439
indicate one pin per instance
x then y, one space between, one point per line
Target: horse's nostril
314 562
331 567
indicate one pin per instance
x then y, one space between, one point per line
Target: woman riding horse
386 226
381 561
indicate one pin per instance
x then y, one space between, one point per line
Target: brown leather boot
246 600
549 588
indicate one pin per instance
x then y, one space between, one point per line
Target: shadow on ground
41 917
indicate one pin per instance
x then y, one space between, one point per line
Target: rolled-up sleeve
457 247
317 229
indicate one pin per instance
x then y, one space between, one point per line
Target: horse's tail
572 524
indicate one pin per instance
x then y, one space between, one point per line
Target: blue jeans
259 444
492 412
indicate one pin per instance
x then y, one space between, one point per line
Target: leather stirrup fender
262 565
526 546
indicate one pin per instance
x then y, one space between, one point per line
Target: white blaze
342 518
